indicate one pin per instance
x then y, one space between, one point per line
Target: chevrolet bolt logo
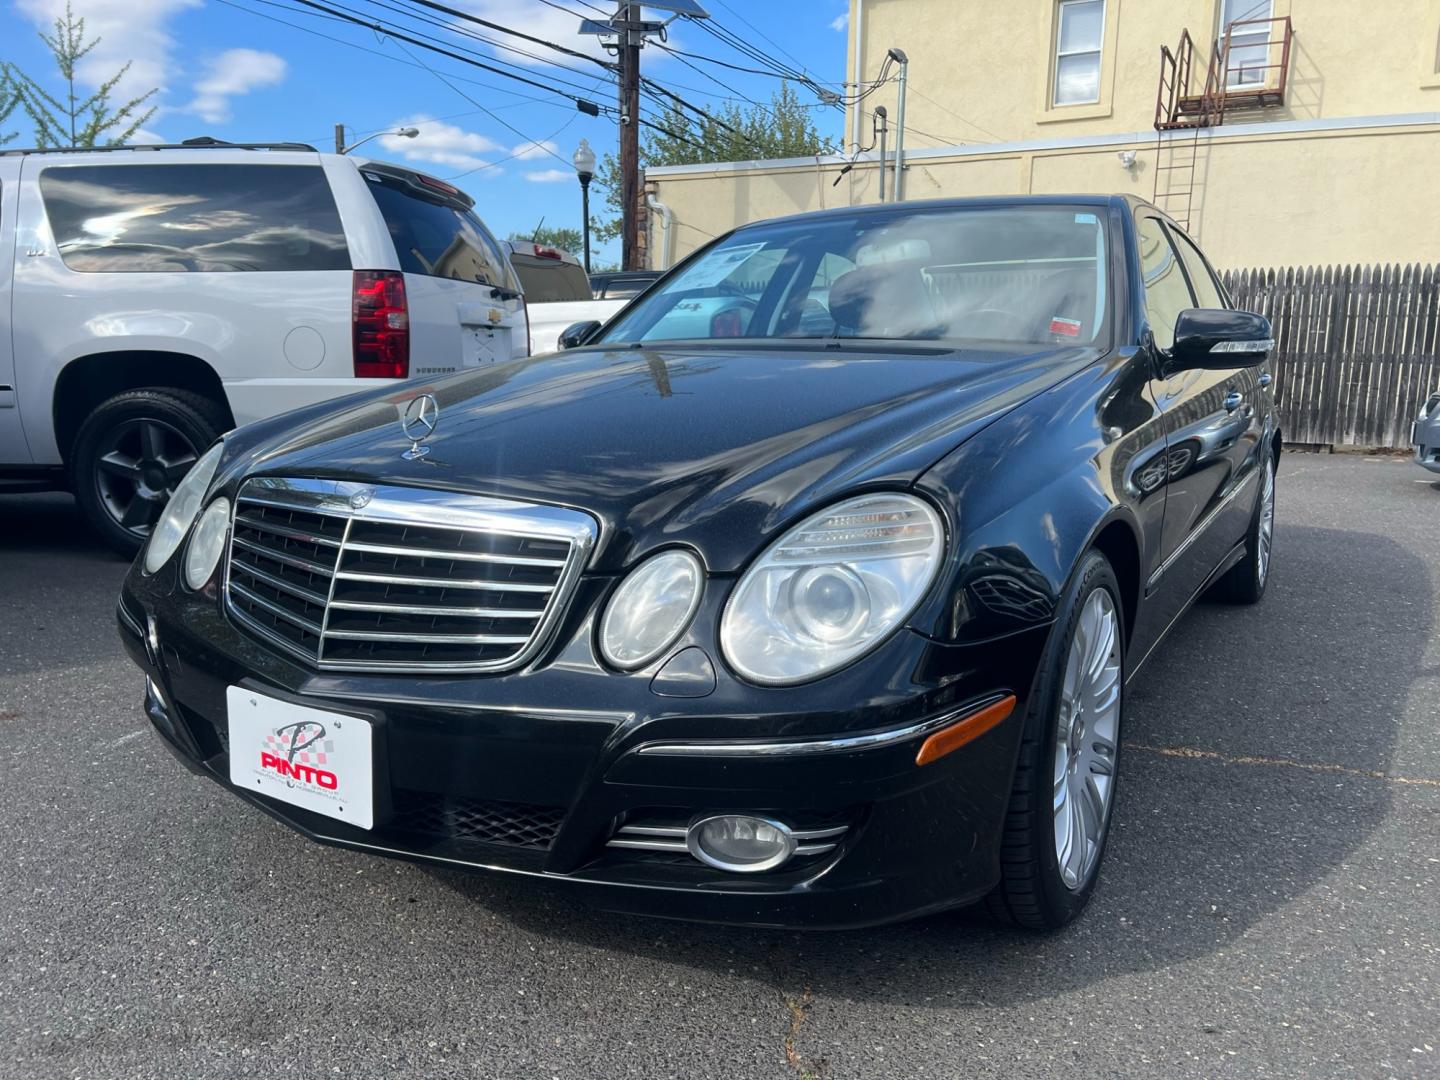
418 422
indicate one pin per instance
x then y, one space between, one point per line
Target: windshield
1025 275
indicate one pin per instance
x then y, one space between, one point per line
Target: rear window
438 239
551 280
193 218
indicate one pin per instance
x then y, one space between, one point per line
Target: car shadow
1255 744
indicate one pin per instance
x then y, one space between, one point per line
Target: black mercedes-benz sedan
803 593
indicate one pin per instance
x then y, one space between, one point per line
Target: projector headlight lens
832 588
651 609
206 543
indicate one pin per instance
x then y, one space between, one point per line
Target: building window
1249 43
1078 38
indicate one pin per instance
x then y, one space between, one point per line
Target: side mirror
577 334
1216 338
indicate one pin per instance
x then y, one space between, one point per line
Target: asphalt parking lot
1270 905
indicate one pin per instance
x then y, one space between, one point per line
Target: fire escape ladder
1248 69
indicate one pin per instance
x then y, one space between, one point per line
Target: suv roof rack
201 142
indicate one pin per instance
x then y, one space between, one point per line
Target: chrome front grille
349 576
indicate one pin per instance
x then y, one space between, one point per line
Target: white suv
153 298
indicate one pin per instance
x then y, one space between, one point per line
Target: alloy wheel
1267 522
1086 739
138 467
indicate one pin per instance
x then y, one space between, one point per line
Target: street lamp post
341 148
584 160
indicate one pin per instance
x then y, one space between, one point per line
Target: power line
375 52
456 13
952 112
763 35
392 32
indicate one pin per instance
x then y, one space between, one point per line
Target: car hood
709 447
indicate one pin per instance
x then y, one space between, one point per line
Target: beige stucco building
1313 125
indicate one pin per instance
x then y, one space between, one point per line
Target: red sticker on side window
1068 327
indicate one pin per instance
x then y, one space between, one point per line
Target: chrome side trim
798 748
1205 523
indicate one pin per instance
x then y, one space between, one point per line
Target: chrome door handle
1265 379
1233 400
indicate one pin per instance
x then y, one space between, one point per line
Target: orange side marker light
956 735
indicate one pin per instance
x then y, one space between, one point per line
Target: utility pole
904 61
631 37
339 138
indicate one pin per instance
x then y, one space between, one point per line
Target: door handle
1265 379
1233 400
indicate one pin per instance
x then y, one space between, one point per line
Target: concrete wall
1271 194
980 70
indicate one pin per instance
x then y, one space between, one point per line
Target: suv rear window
551 280
437 238
193 218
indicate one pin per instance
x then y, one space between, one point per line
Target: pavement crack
1193 753
805 1068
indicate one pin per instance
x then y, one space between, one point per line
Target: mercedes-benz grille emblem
418 422
361 498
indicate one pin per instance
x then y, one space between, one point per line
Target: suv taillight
381 325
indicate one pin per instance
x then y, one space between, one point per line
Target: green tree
553 236
71 120
784 128
9 100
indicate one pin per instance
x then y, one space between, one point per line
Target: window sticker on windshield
718 266
1066 327
1086 219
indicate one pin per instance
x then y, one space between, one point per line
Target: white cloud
128 31
840 23
540 148
234 72
549 23
442 144
550 176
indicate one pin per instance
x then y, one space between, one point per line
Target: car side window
1202 278
197 218
1166 291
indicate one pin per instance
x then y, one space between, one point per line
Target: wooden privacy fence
1358 347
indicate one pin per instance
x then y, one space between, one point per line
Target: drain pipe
667 220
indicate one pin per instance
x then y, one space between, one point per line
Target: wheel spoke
122 465
140 513
152 440
176 467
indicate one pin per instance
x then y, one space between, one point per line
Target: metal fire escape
1239 78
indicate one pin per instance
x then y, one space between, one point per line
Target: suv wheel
131 452
1060 806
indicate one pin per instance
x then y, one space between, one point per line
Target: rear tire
1060 806
1244 583
131 452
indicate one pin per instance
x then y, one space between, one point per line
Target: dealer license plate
311 758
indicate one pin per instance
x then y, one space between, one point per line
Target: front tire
131 452
1060 806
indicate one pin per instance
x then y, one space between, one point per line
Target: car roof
1117 200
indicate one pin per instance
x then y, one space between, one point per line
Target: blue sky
239 75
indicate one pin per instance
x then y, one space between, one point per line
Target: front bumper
533 772
1425 435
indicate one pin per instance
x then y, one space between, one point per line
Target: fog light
740 843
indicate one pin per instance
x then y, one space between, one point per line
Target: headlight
181 510
832 588
206 543
651 609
